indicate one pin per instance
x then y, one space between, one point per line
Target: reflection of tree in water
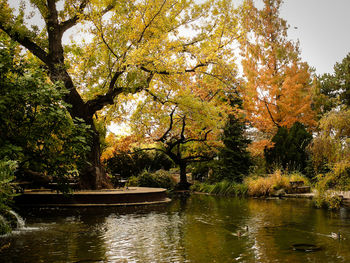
281 223
210 227
197 229
155 236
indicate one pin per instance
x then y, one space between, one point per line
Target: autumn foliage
278 83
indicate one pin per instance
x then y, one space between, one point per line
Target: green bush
35 126
126 165
133 181
7 169
160 178
327 199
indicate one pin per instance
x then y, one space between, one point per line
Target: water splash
20 220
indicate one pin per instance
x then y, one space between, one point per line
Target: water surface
196 229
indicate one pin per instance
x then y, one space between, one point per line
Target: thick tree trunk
93 176
183 184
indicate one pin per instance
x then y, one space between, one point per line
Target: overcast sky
323 29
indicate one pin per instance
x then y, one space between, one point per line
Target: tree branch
26 42
200 157
72 21
150 22
198 140
164 72
163 138
182 135
107 99
268 110
148 149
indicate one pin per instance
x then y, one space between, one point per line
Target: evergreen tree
289 150
234 159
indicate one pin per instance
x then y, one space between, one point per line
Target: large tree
277 91
124 48
331 144
186 123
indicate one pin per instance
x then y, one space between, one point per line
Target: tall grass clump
223 188
272 183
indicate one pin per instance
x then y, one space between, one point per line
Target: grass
271 183
223 188
254 185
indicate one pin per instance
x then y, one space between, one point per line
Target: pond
196 229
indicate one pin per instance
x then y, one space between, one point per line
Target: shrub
337 179
265 186
327 199
224 188
133 181
7 169
125 164
160 178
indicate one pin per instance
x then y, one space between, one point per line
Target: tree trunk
183 184
93 175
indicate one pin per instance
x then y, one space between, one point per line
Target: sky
323 29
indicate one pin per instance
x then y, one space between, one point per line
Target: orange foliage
278 88
116 145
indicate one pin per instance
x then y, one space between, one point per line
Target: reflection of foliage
7 169
289 150
35 126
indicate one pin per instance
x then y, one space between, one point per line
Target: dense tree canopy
169 70
186 123
130 45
